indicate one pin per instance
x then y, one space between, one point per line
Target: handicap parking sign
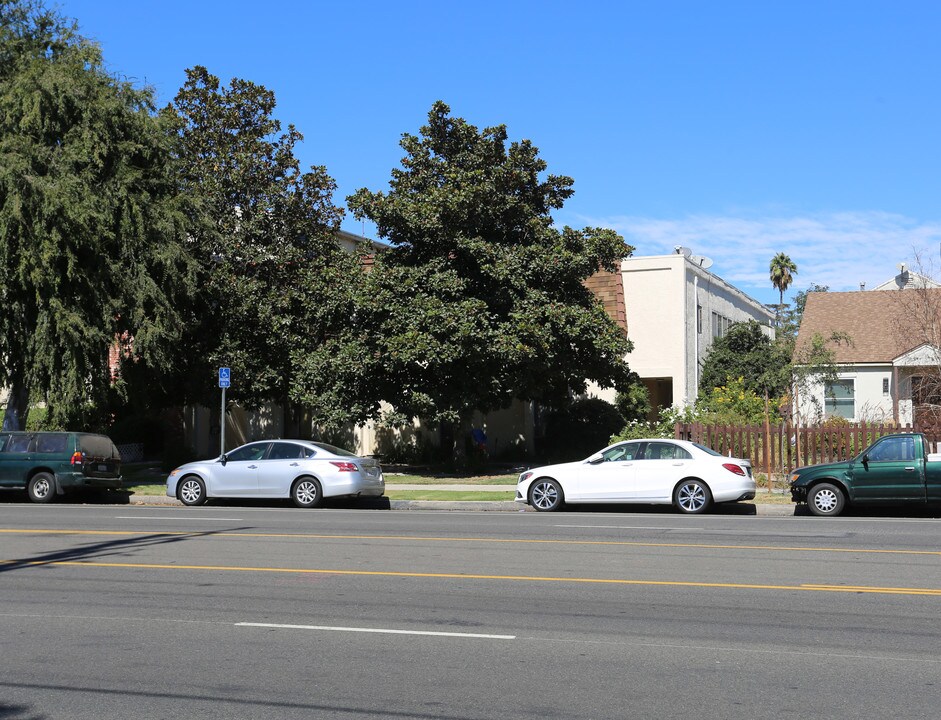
225 377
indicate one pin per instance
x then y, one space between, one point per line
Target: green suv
49 463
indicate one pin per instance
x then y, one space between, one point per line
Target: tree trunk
292 419
455 437
17 405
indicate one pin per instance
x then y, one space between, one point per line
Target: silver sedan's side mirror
222 459
595 459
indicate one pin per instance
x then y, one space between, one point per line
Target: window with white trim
839 398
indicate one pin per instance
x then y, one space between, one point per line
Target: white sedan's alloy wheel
545 495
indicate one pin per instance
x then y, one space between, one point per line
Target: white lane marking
149 517
633 527
386 631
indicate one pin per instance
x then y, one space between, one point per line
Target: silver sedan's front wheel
546 495
192 491
692 496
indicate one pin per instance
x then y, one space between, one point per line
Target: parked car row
895 469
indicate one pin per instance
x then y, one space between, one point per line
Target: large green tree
264 235
89 220
746 352
480 299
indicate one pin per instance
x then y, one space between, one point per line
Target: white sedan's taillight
733 468
344 466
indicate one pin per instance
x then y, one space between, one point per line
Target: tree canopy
479 299
90 220
746 352
263 232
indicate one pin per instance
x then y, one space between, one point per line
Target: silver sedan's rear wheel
306 493
192 491
546 495
692 497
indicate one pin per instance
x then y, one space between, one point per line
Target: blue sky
738 129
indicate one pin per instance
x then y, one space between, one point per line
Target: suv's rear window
98 446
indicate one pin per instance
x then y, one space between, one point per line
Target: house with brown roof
889 365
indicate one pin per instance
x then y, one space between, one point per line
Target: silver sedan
302 470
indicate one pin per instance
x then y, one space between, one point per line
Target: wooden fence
788 446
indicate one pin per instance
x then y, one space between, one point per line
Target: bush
177 456
144 429
578 430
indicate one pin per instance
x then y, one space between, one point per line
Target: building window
840 399
720 325
699 319
885 386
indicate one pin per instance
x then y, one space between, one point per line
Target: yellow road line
521 541
936 592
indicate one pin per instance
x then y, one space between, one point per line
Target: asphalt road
256 612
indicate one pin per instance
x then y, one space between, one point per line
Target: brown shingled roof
875 320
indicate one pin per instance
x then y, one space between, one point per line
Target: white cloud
839 249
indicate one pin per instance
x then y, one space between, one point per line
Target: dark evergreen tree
480 299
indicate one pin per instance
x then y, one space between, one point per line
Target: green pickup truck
894 470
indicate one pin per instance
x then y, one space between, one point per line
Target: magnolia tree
479 300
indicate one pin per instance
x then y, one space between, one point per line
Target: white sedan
651 471
302 470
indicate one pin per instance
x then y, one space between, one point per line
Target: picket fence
789 446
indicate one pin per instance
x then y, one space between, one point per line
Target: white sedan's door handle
679 464
252 467
294 464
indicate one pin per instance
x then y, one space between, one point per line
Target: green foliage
664 427
479 300
746 352
633 400
577 430
791 319
90 223
734 404
263 234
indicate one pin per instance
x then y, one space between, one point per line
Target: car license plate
102 468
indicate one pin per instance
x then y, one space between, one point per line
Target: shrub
579 429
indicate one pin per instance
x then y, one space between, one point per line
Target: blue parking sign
225 377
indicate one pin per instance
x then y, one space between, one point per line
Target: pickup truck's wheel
826 499
546 495
42 488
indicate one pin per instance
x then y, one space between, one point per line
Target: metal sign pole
222 425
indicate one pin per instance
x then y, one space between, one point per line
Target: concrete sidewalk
743 508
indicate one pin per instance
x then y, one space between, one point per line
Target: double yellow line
475 576
804 587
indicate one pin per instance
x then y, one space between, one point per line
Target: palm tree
783 271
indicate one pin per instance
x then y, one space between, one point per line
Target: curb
743 509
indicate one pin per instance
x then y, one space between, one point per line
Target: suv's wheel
192 491
42 488
546 495
826 499
306 493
